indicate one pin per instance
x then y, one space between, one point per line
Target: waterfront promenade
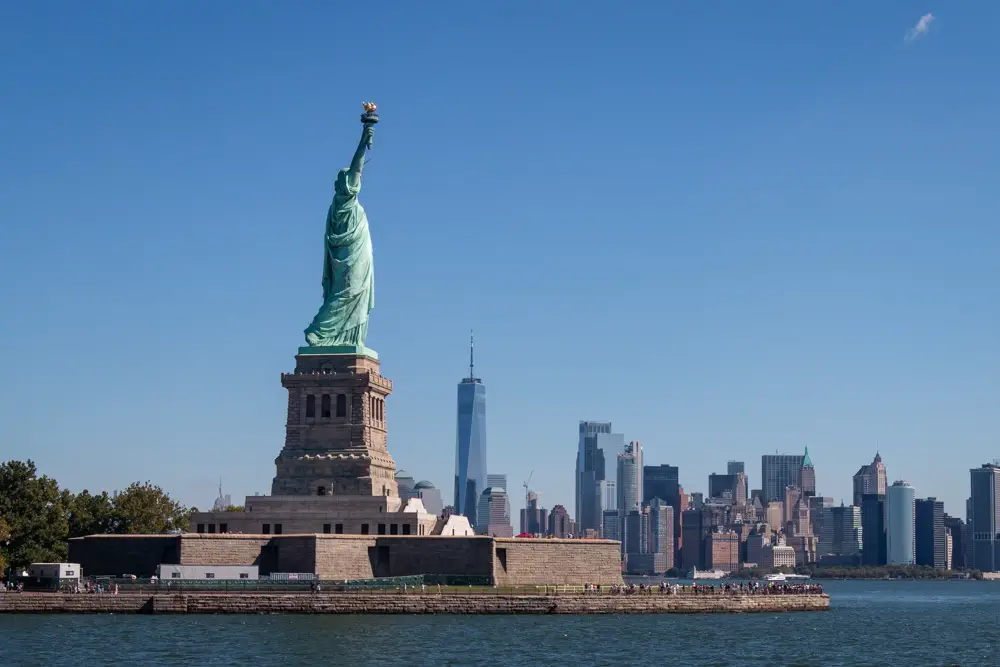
646 602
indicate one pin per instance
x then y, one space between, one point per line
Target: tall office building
611 528
607 496
662 482
816 506
650 539
534 519
732 486
594 440
956 528
629 476
840 530
499 481
494 513
560 524
873 538
778 471
719 484
470 445
661 526
983 518
733 467
637 531
870 479
931 535
900 537
693 551
807 476
635 449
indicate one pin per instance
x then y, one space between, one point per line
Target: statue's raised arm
341 325
367 134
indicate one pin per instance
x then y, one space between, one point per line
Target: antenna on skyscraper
472 347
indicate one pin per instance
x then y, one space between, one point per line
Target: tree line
37 517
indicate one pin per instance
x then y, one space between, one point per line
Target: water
874 623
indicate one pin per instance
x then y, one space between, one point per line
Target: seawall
390 603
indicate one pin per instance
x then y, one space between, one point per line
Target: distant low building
55 573
778 555
430 496
208 572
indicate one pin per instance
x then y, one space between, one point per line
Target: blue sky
728 228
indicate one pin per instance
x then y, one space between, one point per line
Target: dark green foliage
35 513
37 518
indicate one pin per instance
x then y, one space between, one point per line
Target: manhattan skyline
728 237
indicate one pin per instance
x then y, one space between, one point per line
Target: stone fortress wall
508 561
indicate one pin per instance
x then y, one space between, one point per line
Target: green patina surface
340 349
348 266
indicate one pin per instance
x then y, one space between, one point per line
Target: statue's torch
369 117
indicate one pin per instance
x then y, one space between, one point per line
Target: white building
778 555
62 572
223 572
900 533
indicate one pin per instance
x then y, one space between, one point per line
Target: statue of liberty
348 267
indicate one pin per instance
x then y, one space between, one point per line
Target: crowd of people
742 588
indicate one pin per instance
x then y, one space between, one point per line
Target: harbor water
869 623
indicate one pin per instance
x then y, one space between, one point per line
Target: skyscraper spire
472 347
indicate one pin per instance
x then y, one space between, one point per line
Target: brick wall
520 562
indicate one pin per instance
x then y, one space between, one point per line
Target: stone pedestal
335 434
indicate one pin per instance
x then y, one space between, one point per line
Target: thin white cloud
919 30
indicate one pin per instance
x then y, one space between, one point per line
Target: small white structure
59 571
223 572
454 526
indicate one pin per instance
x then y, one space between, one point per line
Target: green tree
146 508
35 513
91 514
4 536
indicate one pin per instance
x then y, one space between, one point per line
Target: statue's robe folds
348 270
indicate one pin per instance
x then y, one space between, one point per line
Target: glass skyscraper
589 471
900 536
470 444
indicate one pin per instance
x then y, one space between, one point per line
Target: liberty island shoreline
417 603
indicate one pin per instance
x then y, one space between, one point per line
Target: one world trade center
470 443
